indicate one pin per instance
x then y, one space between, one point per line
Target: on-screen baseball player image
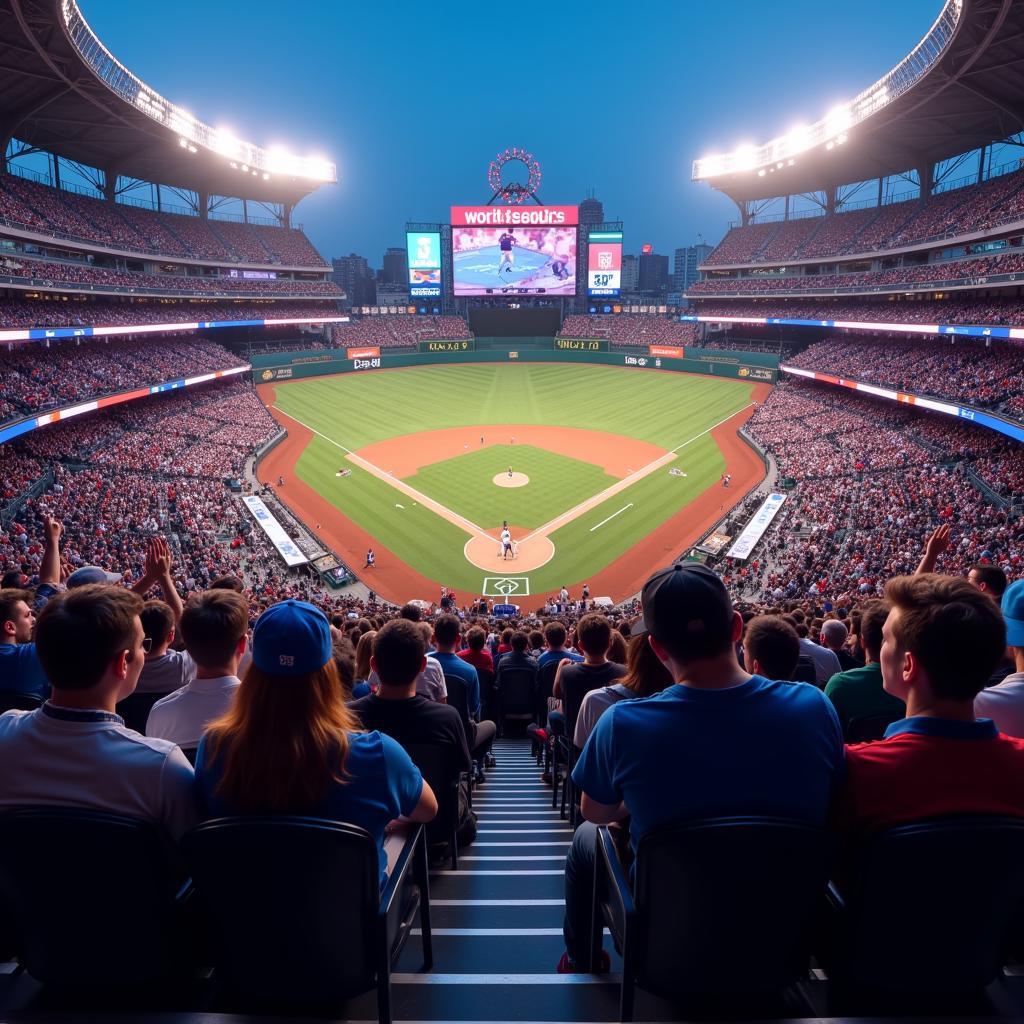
505 244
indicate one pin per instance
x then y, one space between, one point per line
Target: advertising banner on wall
754 530
285 546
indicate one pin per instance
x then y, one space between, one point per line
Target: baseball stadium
337 643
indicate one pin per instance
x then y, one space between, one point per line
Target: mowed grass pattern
465 484
354 410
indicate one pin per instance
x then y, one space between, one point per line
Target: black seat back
805 672
867 728
932 904
545 686
486 677
135 709
458 698
11 701
64 872
709 891
435 764
517 692
296 900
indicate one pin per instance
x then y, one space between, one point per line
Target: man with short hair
165 670
430 682
989 579
826 664
771 647
941 640
479 735
20 669
718 743
574 680
555 636
214 626
1004 702
475 652
399 711
833 637
859 692
75 751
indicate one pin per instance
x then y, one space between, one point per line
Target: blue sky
412 100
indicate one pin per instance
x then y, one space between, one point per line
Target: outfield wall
755 366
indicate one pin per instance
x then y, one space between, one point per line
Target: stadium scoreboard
423 250
604 264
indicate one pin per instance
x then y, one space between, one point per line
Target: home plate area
485 551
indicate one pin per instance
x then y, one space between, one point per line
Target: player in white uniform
506 544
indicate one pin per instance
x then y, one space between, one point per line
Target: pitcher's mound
515 480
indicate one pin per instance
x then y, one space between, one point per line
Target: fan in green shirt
858 692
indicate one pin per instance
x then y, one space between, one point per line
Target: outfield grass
465 485
353 410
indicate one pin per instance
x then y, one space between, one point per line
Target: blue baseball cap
89 574
1013 613
291 638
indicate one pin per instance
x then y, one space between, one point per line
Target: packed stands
78 312
65 214
984 312
964 370
50 272
64 372
951 213
399 331
971 270
630 329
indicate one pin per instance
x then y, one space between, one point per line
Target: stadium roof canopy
961 88
63 92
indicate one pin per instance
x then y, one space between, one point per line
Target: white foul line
612 516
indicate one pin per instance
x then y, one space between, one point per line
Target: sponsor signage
714 544
362 353
667 351
527 216
285 546
581 344
423 251
604 263
450 345
372 363
754 530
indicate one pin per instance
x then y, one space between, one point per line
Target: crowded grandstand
780 777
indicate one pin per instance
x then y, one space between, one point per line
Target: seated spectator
398 711
479 735
430 683
214 625
645 675
475 652
826 664
75 751
574 680
771 647
20 668
833 637
989 579
164 670
364 653
289 745
942 639
859 692
345 662
554 637
1004 702
756 746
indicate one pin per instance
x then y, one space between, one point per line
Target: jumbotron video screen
532 253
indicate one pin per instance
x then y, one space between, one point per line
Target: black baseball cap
687 609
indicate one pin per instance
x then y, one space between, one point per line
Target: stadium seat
707 892
304 922
930 907
135 709
432 759
62 872
516 697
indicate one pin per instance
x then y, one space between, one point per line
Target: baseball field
600 473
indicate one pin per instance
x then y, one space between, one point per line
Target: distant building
591 211
353 274
685 264
396 268
392 295
653 274
630 274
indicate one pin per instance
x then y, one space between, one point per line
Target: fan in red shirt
940 644
475 652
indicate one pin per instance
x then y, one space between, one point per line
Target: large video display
604 263
514 250
423 249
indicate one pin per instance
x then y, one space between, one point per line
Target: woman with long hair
645 676
363 651
289 745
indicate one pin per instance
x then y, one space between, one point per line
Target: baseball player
506 544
